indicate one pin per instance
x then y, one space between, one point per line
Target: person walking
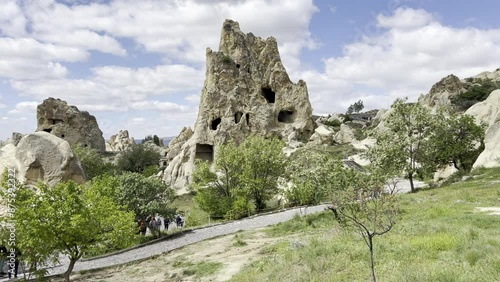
166 222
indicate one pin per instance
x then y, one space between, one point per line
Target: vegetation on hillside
478 92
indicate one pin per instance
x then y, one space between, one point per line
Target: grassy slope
440 237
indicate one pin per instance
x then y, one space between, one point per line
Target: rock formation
42 156
488 111
67 122
119 142
322 136
442 92
246 91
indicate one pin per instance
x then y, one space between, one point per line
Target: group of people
9 259
155 223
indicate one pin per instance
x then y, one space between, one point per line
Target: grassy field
441 236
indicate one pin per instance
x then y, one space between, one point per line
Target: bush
477 93
333 123
137 158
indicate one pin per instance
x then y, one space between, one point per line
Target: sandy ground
172 265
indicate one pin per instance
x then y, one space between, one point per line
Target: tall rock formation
246 91
443 91
67 122
488 111
120 142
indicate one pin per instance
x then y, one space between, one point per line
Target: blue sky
140 65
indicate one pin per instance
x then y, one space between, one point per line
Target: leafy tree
355 108
458 139
69 219
476 93
243 176
143 196
92 162
137 158
359 202
404 146
155 139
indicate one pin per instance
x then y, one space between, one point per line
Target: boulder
344 135
488 111
120 142
42 156
246 91
67 122
444 173
322 136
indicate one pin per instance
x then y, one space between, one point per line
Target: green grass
440 237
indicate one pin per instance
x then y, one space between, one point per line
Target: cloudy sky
139 65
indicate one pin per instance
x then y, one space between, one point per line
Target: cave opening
237 117
268 94
204 152
286 116
215 123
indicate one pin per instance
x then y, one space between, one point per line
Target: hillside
441 236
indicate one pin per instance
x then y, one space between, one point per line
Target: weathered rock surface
442 92
42 156
120 142
488 111
344 135
67 122
246 91
12 140
322 136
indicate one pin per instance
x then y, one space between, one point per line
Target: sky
140 65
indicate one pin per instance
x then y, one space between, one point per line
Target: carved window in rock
247 117
268 94
215 123
286 116
204 152
237 117
49 130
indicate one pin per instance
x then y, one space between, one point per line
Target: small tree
69 219
143 196
355 108
137 158
360 202
404 146
458 139
92 162
243 176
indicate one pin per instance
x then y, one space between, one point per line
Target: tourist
166 222
142 228
3 257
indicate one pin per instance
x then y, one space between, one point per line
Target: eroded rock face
120 142
442 92
67 122
246 91
488 111
42 156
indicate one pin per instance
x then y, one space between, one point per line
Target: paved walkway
187 239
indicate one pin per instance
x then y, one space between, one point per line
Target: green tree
92 162
355 108
360 202
155 139
141 195
458 139
243 176
404 146
69 219
137 158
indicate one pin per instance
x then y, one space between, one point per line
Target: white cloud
405 59
26 107
12 20
158 106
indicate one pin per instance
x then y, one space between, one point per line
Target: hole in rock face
215 123
49 130
247 117
286 116
237 117
204 152
268 94
164 163
62 135
237 66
